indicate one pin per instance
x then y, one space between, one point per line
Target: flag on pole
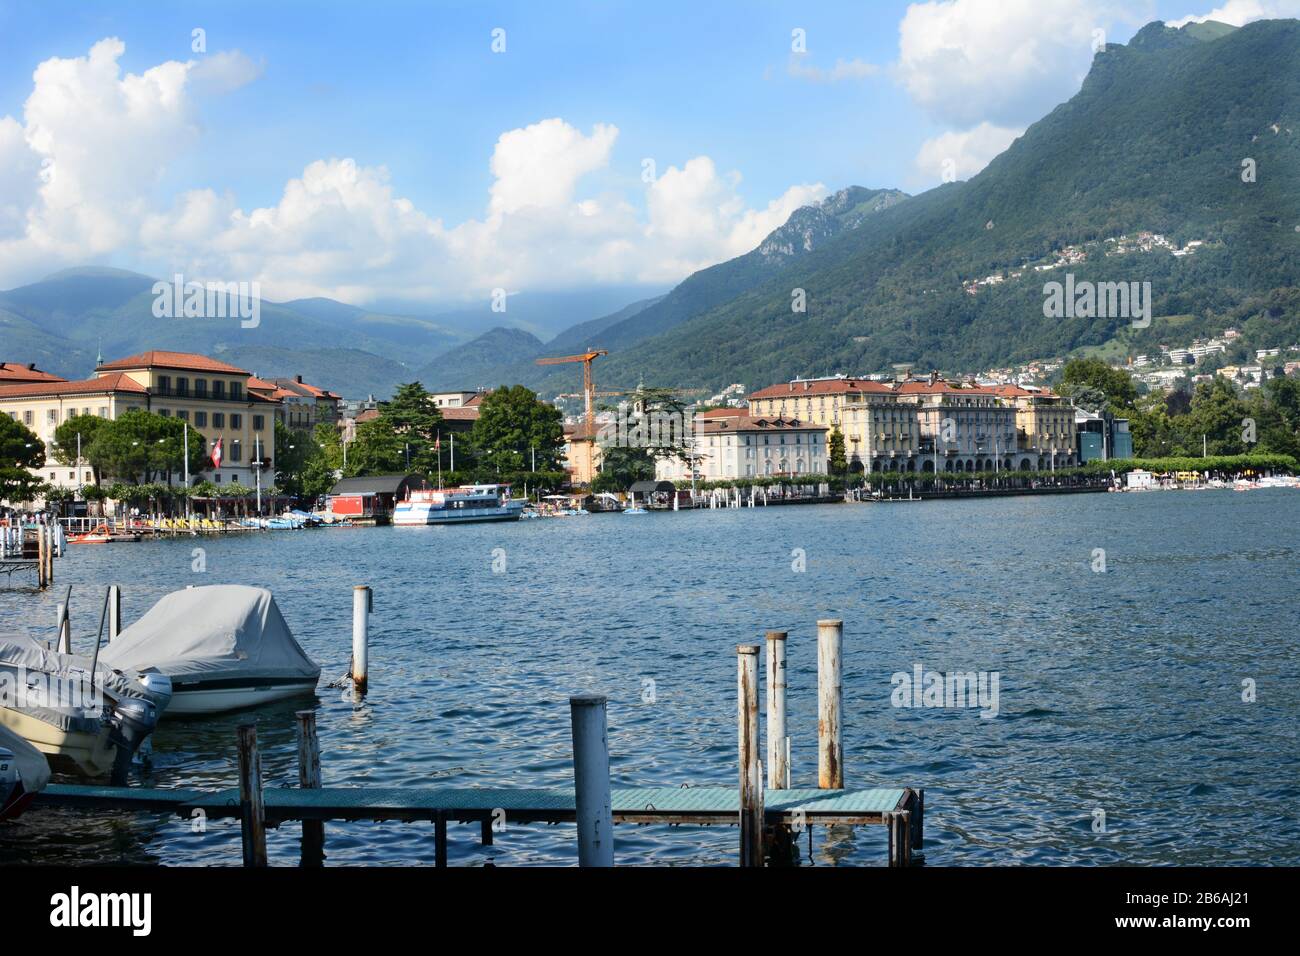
437 442
216 454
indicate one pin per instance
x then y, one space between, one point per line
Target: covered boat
24 772
224 646
82 714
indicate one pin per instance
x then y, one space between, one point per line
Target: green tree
294 451
514 429
139 446
20 449
321 473
1116 384
837 462
78 431
1218 415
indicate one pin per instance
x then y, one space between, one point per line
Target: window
182 386
236 421
236 391
183 415
52 416
103 412
218 420
259 422
27 417
218 389
200 387
164 383
165 413
201 419
236 451
216 479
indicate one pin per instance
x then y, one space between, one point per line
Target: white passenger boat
458 505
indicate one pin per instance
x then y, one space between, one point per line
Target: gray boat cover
21 651
33 770
220 632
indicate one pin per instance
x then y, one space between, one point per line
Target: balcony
189 395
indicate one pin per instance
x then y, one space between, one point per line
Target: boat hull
426 516
199 700
90 754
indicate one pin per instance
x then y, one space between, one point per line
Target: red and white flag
437 442
216 454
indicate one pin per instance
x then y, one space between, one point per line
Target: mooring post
362 603
751 767
64 630
830 737
252 811
41 581
591 780
900 837
313 831
778 747
49 554
114 611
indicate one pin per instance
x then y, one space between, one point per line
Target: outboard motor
159 686
134 719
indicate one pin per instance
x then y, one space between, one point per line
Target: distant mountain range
1161 138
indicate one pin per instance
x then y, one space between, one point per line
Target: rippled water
1118 691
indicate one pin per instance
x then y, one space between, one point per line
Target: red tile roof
114 382
724 413
828 386
745 423
14 372
190 361
460 414
368 415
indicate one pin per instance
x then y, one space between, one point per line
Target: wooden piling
751 781
830 736
41 580
114 611
591 794
899 824
778 744
362 602
252 811
309 778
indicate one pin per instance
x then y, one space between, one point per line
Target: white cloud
854 69
1006 62
339 229
223 72
1240 12
960 155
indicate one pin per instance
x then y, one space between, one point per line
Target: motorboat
635 510
81 713
225 647
24 772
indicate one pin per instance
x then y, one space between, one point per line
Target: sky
432 153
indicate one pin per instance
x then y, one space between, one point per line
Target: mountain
63 321
1156 139
486 361
807 229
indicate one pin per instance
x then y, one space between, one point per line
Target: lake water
1118 691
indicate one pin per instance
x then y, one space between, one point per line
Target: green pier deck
641 805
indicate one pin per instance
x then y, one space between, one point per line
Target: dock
796 809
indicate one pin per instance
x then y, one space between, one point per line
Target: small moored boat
224 646
24 772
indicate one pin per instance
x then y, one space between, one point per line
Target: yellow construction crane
588 392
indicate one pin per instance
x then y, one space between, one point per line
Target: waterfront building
879 429
1045 436
212 396
1101 437
445 400
730 444
963 428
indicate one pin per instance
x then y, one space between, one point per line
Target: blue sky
414 96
